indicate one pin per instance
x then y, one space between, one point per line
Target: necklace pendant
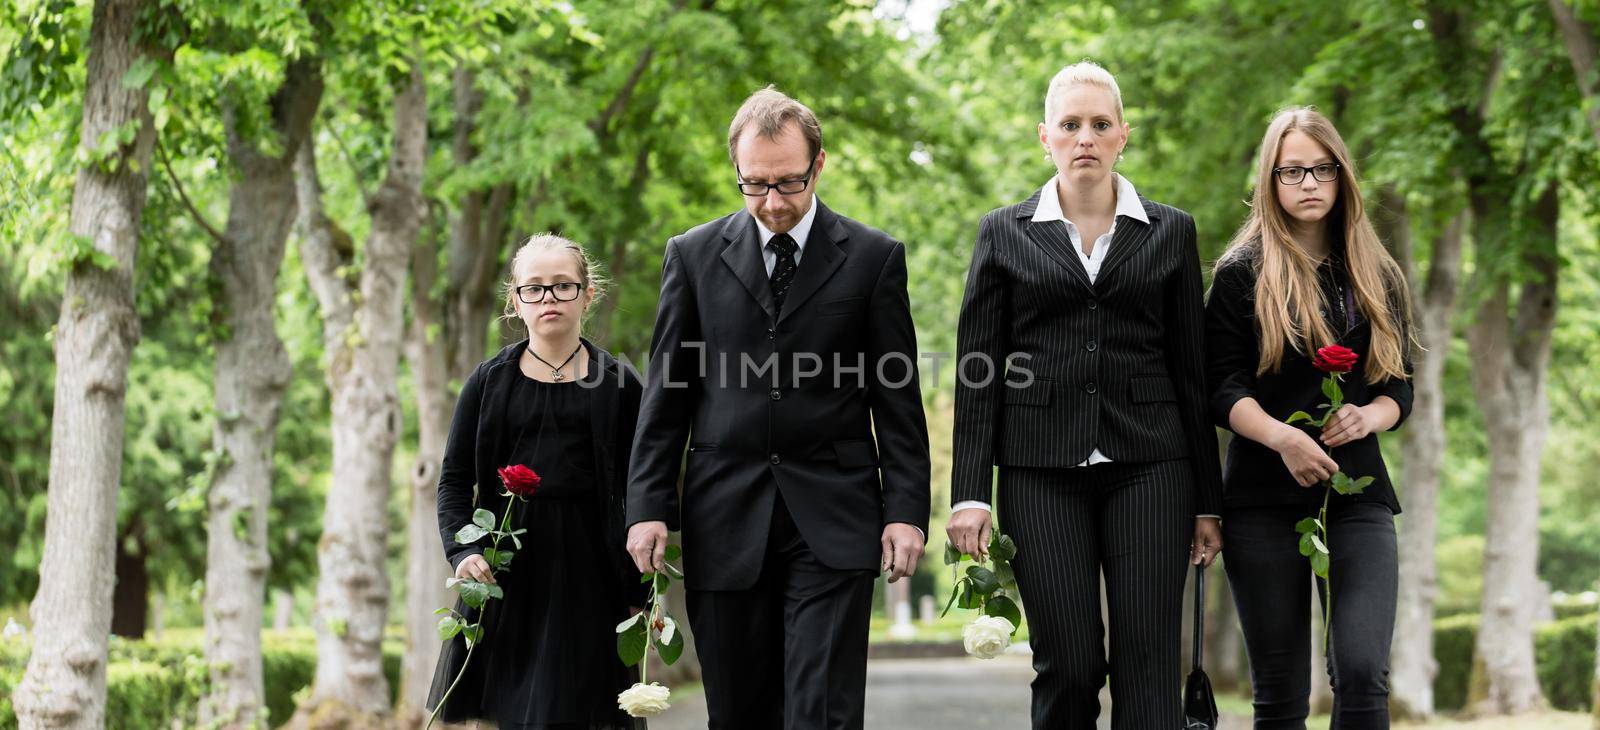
556 375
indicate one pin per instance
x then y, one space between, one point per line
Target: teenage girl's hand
1305 459
475 568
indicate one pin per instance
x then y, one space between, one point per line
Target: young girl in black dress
1307 271
566 409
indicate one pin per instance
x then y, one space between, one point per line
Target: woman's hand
474 567
1351 423
1207 544
969 532
1305 459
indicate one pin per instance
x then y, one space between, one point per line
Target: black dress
548 656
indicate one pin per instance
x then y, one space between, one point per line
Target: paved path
923 694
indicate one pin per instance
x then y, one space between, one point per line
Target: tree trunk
65 683
1583 47
426 568
1594 697
350 689
252 373
1511 353
130 601
1412 665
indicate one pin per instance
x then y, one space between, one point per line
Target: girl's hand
474 567
1350 423
1305 459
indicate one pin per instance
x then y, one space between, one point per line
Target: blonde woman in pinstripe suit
1082 378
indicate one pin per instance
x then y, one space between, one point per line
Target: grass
1239 707
942 630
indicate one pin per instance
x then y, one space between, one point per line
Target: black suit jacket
732 377
1116 364
469 477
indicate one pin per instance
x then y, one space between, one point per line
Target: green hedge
150 683
1564 651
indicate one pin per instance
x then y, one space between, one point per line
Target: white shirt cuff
970 504
1214 517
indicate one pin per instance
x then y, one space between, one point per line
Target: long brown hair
1288 301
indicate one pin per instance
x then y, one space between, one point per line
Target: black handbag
1199 703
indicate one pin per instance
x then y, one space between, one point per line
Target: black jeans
1270 580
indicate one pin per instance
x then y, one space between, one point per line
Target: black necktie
783 271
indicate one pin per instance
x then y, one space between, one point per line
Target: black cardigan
1254 475
476 430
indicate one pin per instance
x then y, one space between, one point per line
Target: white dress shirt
1049 210
799 233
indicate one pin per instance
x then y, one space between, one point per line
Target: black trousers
790 652
1270 581
1132 522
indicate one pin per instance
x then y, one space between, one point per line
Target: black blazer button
1091 388
1094 304
775 459
777 394
1091 346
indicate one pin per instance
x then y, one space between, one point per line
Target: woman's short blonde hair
1083 72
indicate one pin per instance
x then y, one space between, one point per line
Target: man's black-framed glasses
564 291
1292 175
784 187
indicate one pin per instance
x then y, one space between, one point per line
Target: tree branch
1583 47
188 205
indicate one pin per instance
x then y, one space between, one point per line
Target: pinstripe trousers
1132 522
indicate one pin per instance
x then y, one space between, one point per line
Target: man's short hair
771 111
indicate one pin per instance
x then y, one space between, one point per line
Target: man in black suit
783 344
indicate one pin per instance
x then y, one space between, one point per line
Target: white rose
644 700
987 636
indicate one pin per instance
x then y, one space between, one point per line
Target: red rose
1335 359
519 480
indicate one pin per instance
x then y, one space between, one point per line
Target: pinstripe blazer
1116 364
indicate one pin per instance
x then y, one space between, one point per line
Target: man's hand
647 543
902 548
1207 543
969 532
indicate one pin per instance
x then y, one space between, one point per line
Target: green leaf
1306 548
631 644
473 633
969 597
662 581
1002 547
951 554
470 534
647 577
449 626
1005 608
1319 565
1318 544
1360 485
472 592
1298 416
673 552
438 611
1004 573
1305 526
495 591
483 518
1331 391
625 625
669 645
955 592
673 571
139 73
983 580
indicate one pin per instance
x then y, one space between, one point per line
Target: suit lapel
743 257
822 257
1051 237
1130 235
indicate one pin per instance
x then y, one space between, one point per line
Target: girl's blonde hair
1288 301
588 269
1083 72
